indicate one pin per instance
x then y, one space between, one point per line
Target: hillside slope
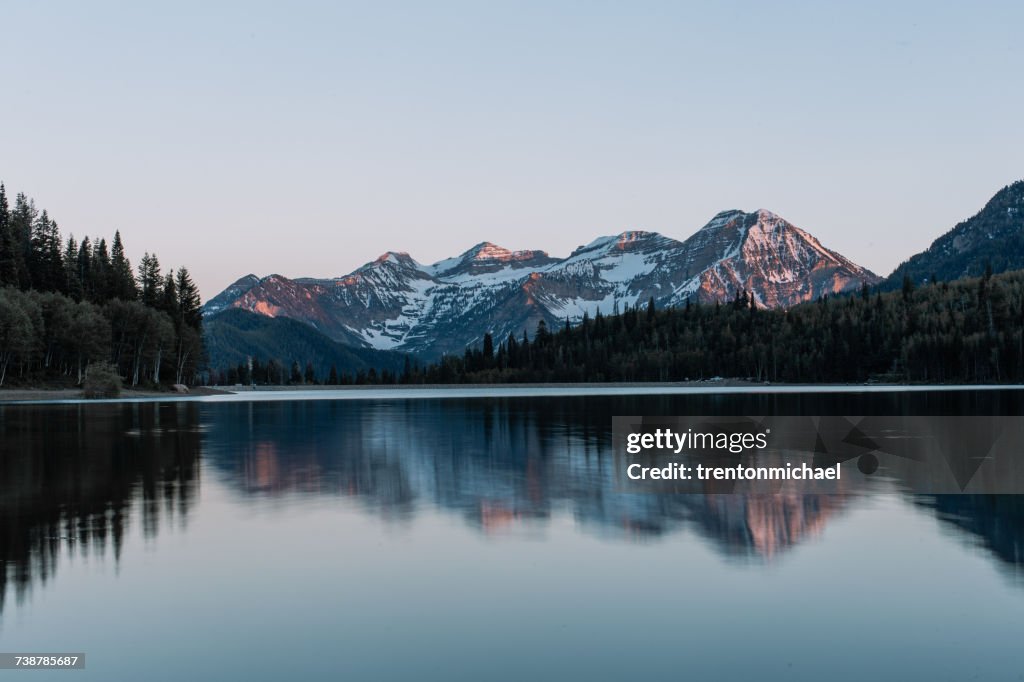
994 237
233 336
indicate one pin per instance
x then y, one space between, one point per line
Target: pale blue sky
308 138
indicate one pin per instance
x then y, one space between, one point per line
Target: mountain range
397 303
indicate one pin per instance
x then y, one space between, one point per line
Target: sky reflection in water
390 539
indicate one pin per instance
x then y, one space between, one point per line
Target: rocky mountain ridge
397 303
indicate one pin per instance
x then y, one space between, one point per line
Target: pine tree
542 335
169 299
488 348
179 300
46 263
84 267
332 378
52 285
122 281
73 283
190 305
99 273
23 217
149 280
8 244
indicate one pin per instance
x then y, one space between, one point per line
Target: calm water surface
480 538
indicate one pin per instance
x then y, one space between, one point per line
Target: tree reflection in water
71 475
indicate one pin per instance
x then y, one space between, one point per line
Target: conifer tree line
274 372
65 305
966 331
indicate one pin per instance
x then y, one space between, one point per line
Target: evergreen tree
275 373
169 298
150 280
23 217
186 309
122 281
488 348
99 273
190 305
84 270
49 327
46 262
72 282
9 250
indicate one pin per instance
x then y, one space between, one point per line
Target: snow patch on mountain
397 303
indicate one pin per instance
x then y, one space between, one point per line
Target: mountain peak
396 257
396 303
765 214
489 251
723 218
1013 192
991 238
630 236
729 213
624 241
225 298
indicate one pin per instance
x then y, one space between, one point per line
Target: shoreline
31 395
22 396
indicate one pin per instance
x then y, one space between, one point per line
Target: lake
482 537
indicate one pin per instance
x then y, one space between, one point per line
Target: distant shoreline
21 395
14 396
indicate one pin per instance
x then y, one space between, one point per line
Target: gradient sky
308 138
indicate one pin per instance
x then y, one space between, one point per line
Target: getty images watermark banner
932 455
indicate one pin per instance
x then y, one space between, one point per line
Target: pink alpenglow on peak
396 303
489 251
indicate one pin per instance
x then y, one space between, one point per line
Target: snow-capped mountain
397 303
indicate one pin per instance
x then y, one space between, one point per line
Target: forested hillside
992 239
967 331
66 305
282 349
964 331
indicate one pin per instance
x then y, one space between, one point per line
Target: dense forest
969 330
964 331
68 305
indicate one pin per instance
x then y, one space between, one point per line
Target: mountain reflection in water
73 477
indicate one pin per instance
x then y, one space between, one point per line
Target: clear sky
308 138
